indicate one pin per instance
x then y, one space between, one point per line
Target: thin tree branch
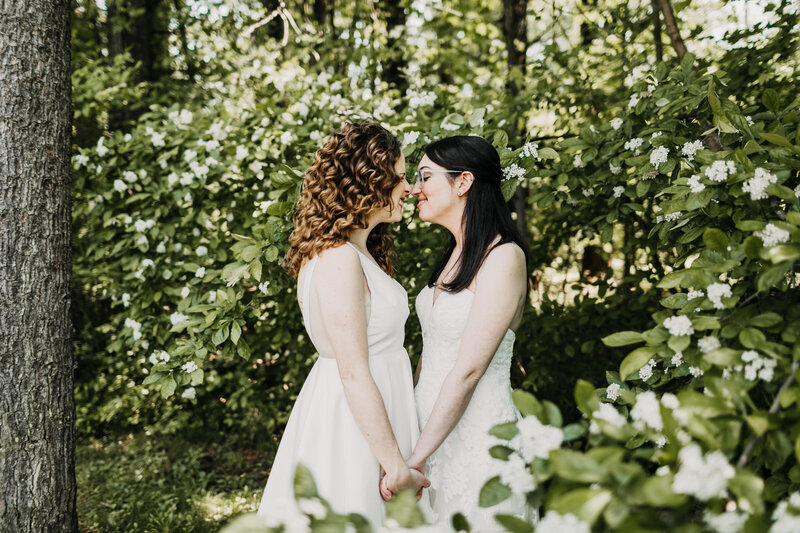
672 27
657 32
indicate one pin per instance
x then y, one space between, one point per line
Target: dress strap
306 309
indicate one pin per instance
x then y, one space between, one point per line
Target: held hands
409 478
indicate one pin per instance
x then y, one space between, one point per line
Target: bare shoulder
339 261
505 257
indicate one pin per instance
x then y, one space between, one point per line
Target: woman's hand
404 479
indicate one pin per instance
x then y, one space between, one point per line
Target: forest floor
144 484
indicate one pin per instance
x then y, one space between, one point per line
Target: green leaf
749 488
784 252
703 323
403 509
271 254
774 138
758 422
527 404
168 388
460 523
673 279
576 466
679 344
493 492
723 357
715 239
771 276
547 153
505 431
514 524
751 337
255 270
586 504
622 338
765 320
304 486
586 397
657 491
250 253
236 332
197 376
770 100
635 360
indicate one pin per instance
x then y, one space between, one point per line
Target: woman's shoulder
506 259
340 255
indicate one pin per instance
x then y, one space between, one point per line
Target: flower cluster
708 344
720 170
612 392
514 171
702 476
757 185
607 413
189 367
557 523
772 235
410 137
189 394
679 325
536 439
727 522
634 144
647 410
694 184
176 318
416 99
529 150
646 372
718 291
758 367
616 123
135 326
659 156
577 162
618 190
160 357
515 475
690 148
787 521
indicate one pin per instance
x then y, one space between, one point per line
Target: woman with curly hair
354 418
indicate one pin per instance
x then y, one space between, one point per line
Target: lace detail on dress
462 464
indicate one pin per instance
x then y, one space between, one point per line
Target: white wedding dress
322 433
462 464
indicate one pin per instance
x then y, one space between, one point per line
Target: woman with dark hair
469 311
354 418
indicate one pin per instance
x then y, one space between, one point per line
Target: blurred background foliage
194 122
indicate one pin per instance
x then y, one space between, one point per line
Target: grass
143 484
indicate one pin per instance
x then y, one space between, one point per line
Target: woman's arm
417 371
499 296
340 288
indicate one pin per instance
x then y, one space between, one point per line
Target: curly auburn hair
352 175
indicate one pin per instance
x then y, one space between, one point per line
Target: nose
416 188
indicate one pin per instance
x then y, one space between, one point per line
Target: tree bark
672 27
394 69
657 32
37 442
515 32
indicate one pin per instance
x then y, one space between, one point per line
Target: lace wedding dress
462 464
322 433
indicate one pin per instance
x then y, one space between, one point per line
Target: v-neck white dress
321 431
462 464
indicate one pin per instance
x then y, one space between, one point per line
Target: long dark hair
486 214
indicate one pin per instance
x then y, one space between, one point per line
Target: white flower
612 392
677 359
648 410
147 262
200 272
786 522
242 152
416 99
448 126
646 372
101 148
177 317
81 160
157 139
616 123
187 178
694 184
120 186
695 294
530 150
201 251
614 168
577 161
678 325
515 475
189 367
660 441
161 248
772 235
189 155
263 286
212 297
410 137
618 190
797 191
659 156
690 149
634 144
703 477
696 371
135 326
536 439
513 171
587 192
312 507
708 343
634 100
672 217
189 394
556 523
607 413
757 185
185 292
126 299
718 291
670 401
720 170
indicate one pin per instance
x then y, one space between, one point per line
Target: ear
464 182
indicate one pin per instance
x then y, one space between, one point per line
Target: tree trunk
515 32
37 441
657 32
394 68
672 27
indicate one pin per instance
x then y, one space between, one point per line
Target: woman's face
399 194
437 195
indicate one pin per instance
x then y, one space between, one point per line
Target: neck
359 236
454 225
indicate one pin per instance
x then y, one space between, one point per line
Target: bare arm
499 297
341 291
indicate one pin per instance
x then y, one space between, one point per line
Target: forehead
427 163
